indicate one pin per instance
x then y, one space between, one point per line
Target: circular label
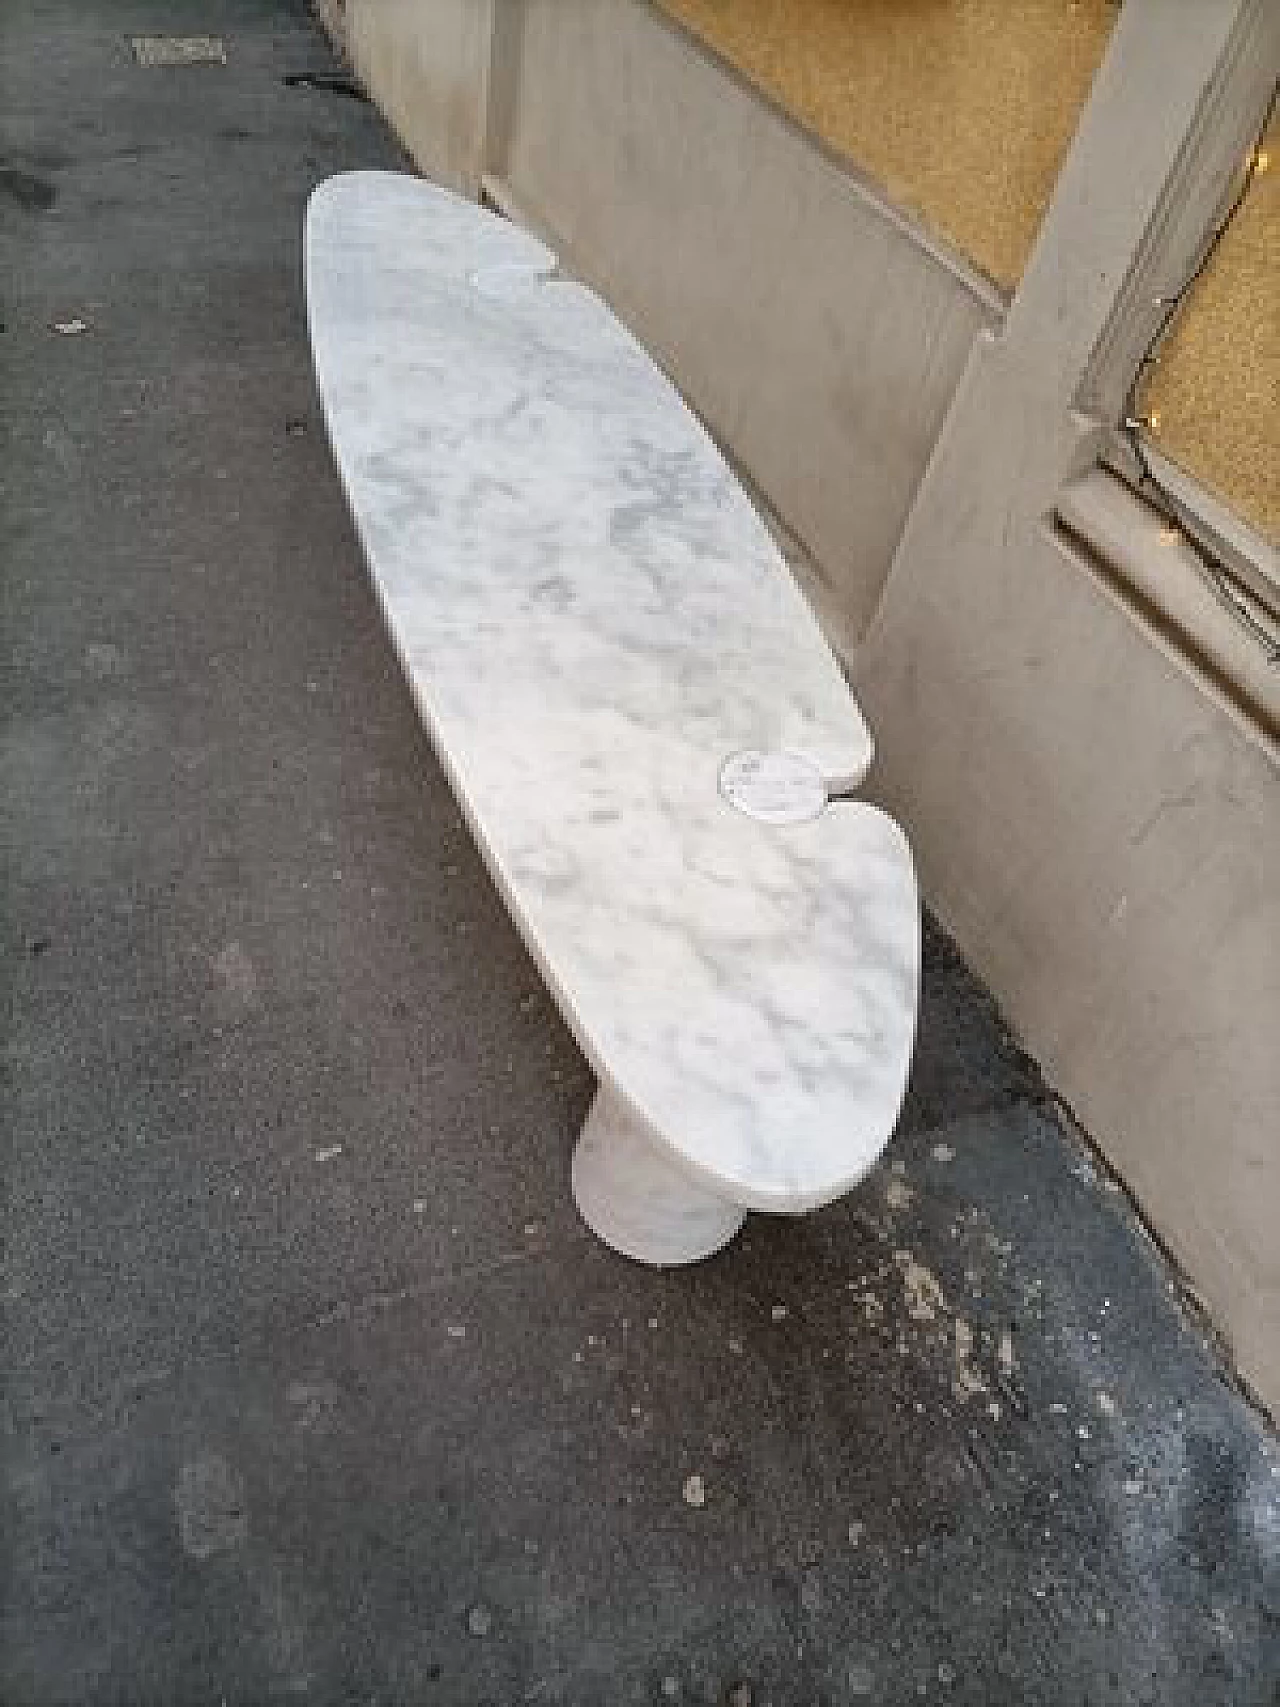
773 788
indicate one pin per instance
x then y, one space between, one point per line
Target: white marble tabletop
593 621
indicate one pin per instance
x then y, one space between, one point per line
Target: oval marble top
593 621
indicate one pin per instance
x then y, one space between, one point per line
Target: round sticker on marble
773 788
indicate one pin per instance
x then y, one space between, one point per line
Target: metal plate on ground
157 51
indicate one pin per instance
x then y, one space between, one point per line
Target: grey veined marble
594 623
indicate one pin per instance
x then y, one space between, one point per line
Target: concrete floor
316 1388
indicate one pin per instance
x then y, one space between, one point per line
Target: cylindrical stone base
639 1202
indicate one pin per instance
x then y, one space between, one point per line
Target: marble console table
636 710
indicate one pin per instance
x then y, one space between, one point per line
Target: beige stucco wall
1093 823
1097 826
427 64
1100 833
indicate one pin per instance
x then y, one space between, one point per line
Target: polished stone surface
593 621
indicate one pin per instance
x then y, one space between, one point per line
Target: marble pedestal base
639 1202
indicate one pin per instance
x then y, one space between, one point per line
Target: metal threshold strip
156 52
